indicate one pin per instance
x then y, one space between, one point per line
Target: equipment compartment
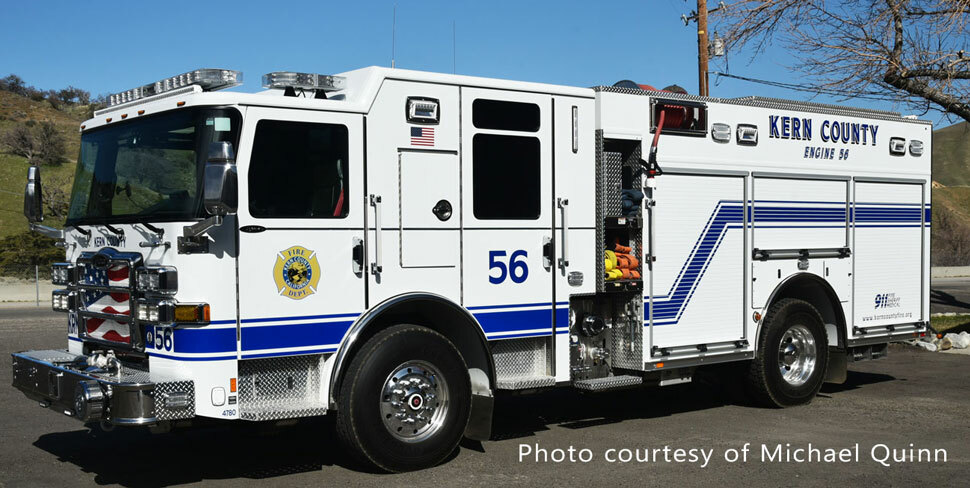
619 207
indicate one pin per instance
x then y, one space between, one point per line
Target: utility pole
702 43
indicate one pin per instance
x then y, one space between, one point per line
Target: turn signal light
192 313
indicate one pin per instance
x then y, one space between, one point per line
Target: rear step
608 383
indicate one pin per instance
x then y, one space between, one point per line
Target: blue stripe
192 358
562 319
512 305
514 320
523 335
204 340
667 308
671 305
869 214
293 335
292 353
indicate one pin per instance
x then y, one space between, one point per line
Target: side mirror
219 180
33 197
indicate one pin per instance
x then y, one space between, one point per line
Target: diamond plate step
525 382
281 410
608 383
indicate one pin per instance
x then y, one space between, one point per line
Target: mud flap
479 426
837 369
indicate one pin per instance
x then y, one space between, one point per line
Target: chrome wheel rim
797 355
414 401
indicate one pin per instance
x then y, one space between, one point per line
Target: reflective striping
191 358
293 335
203 340
667 309
505 322
312 334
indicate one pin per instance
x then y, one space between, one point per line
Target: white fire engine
394 247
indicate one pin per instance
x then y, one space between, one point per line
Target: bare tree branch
910 51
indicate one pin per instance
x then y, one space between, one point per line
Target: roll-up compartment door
888 253
800 213
698 276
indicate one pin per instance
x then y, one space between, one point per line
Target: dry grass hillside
951 155
18 110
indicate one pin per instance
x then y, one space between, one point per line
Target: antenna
454 49
393 26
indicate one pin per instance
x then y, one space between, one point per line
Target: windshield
148 169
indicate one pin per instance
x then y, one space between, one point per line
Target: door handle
563 203
357 254
547 253
376 267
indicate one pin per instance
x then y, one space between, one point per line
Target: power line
870 95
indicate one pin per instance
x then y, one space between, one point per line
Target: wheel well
816 291
432 311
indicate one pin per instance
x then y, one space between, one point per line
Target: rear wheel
792 355
405 399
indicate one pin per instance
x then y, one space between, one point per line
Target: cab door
414 209
507 201
301 219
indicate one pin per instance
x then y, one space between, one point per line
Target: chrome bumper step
64 381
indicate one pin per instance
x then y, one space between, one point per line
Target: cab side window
506 176
299 170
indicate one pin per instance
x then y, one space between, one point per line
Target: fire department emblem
296 273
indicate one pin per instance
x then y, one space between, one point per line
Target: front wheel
405 399
792 355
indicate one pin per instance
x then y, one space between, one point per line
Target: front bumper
64 381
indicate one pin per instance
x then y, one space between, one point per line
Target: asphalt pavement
950 295
913 400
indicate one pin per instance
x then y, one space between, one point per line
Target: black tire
360 421
766 384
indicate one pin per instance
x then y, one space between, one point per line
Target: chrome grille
105 282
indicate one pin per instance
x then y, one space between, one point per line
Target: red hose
660 127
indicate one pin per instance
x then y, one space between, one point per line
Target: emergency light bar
209 79
303 81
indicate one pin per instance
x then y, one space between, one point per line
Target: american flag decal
422 136
113 303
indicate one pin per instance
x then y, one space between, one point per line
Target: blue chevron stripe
729 214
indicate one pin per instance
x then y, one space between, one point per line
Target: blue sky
109 46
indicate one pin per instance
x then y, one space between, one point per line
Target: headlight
155 312
63 300
157 279
168 313
62 274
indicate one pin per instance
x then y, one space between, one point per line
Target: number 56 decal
517 269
